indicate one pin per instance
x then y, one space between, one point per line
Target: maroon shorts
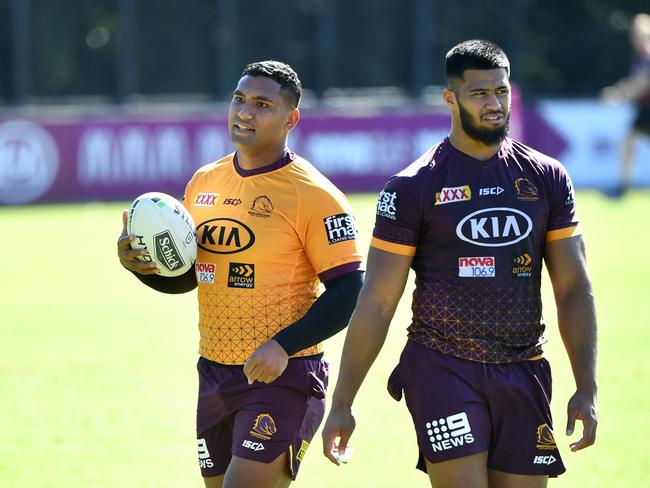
258 421
461 407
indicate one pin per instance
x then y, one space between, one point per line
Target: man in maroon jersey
475 216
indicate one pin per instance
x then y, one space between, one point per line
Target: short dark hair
475 54
282 74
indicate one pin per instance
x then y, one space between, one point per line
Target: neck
471 147
250 160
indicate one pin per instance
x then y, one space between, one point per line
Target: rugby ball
164 227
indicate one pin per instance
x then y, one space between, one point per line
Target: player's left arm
567 268
329 314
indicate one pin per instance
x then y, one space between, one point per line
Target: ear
294 117
449 97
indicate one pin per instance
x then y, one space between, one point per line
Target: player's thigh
213 481
450 418
469 471
281 417
243 473
500 479
519 398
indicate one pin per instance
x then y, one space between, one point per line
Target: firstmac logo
494 227
340 227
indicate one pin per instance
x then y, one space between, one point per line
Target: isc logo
544 460
255 446
449 432
495 190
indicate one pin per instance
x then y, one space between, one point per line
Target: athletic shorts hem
549 473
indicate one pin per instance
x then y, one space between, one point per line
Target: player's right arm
148 272
386 276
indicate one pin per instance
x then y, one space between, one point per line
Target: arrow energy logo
522 266
241 275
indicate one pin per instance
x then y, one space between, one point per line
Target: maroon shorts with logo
461 407
258 421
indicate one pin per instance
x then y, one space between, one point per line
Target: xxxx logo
206 199
453 194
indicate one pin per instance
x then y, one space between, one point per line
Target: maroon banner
119 158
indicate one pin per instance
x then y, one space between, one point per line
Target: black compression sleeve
173 285
329 314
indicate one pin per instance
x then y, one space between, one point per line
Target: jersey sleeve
329 232
563 220
397 222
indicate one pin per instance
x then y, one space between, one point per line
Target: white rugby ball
164 227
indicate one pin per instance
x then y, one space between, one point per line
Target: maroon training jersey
476 231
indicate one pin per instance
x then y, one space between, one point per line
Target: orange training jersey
265 238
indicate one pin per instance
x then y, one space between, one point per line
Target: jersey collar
286 158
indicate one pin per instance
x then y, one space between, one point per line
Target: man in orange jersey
270 228
476 216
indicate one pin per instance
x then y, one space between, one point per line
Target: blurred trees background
115 49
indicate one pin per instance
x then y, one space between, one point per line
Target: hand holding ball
164 227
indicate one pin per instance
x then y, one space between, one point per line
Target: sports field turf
98 381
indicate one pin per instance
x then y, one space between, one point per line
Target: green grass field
98 381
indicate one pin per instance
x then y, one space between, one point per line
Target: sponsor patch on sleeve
570 192
387 205
340 227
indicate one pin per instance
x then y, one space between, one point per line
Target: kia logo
224 236
494 227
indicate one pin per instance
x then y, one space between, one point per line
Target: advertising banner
118 158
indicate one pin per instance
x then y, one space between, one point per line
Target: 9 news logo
449 432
